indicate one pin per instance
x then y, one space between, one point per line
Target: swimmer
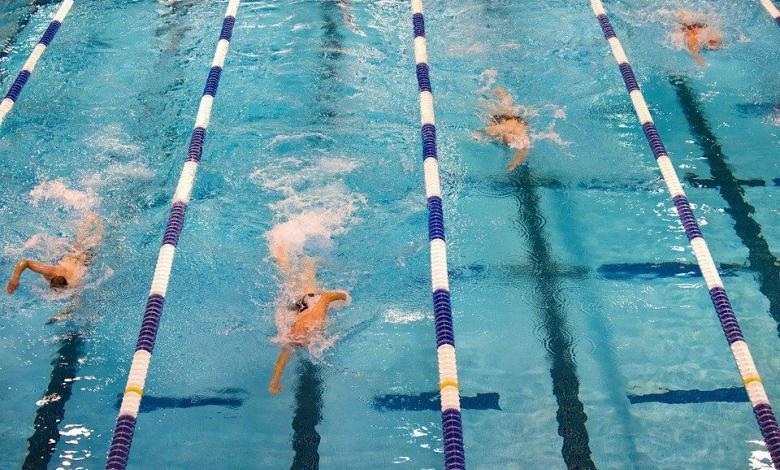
310 306
511 129
698 35
73 265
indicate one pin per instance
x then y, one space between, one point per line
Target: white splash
58 192
401 317
683 17
550 134
116 173
487 79
114 140
44 246
75 430
48 399
760 459
311 228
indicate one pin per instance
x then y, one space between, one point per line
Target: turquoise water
568 276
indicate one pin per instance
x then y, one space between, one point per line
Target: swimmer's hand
12 285
274 388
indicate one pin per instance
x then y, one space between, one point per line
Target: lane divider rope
772 10
27 69
767 422
119 451
452 427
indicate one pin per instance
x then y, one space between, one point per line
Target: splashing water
317 206
499 102
43 246
116 174
59 193
487 78
676 18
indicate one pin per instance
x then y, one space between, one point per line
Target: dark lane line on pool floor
308 395
571 415
647 271
686 397
308 414
761 260
613 271
50 413
505 188
152 403
430 401
709 183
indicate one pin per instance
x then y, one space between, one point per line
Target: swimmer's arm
698 59
693 48
276 381
281 257
44 270
334 295
494 130
518 160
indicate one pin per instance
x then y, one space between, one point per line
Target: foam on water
115 174
760 459
43 246
306 227
402 317
58 192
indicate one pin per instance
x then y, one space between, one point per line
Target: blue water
559 308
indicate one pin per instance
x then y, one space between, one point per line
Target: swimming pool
585 336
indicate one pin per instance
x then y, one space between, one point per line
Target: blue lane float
27 69
119 452
452 427
762 409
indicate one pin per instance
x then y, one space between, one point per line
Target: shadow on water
308 414
48 416
761 260
571 415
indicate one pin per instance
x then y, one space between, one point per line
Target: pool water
585 335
